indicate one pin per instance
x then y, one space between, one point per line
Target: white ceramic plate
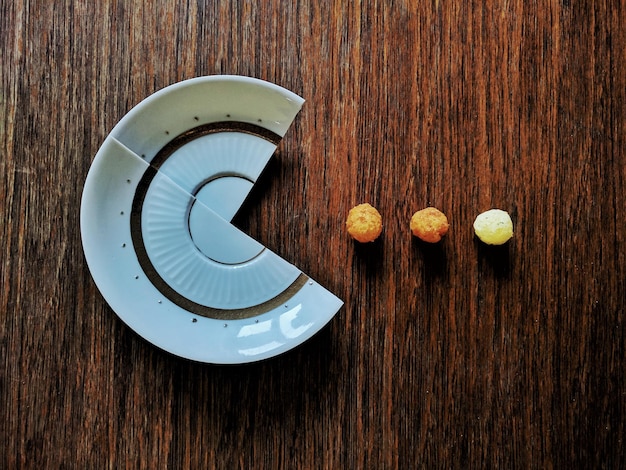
156 231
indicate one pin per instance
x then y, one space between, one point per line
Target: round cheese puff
364 223
429 224
494 227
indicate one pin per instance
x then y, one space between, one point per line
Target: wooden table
449 356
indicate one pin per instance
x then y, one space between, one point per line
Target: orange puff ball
364 223
429 224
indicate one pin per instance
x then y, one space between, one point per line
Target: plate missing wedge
156 224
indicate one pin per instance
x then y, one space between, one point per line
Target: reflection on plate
155 224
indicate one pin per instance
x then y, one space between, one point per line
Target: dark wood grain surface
448 356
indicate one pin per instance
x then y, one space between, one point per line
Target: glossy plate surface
155 224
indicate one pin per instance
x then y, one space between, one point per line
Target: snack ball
494 227
364 223
429 224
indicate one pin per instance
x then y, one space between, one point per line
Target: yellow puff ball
494 227
364 223
429 224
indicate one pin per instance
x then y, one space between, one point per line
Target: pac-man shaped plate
155 224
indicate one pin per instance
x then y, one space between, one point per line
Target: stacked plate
155 222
